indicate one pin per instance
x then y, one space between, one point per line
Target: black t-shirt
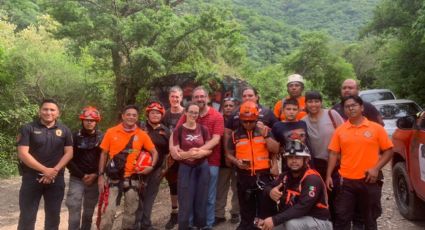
370 112
288 131
46 145
266 116
170 119
160 138
86 153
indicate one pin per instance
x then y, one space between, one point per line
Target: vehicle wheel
409 205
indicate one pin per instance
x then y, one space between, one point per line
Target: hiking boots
172 221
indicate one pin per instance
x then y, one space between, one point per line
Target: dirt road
9 209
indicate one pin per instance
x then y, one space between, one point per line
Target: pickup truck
408 166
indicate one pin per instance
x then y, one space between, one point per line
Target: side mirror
407 122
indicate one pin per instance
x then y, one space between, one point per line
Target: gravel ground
9 210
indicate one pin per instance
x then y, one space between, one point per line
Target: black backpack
115 166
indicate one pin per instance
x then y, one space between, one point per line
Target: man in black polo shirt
350 88
44 148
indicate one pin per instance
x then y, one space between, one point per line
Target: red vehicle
408 166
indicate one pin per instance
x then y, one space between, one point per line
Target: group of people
298 166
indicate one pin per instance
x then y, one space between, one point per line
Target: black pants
29 199
250 198
368 198
321 166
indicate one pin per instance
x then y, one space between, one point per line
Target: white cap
295 78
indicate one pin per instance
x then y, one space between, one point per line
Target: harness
292 195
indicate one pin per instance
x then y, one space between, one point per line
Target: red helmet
90 113
155 106
143 161
248 111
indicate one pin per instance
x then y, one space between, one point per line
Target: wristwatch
100 173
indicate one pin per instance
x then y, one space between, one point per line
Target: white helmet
295 78
296 148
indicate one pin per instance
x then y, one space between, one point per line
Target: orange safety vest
252 147
292 194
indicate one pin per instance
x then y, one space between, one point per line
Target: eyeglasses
351 106
199 97
228 105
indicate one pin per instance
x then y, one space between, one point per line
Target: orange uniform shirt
116 139
359 147
278 110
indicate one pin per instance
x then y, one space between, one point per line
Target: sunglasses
90 113
229 99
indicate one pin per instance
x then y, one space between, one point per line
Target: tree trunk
126 87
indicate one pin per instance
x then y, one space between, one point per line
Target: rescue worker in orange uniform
295 88
118 175
252 150
300 194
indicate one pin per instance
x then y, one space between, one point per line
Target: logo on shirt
311 191
37 132
192 137
367 134
136 138
58 132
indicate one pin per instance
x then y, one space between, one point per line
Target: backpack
115 166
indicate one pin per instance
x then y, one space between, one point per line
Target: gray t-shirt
320 132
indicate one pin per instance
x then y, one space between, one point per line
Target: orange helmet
248 111
90 113
143 161
155 106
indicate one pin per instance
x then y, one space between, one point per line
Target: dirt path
9 209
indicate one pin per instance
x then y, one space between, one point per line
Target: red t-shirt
191 138
214 122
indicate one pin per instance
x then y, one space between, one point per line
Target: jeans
193 183
305 223
147 199
81 195
29 198
212 192
226 180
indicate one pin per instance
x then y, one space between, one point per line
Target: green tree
315 60
401 25
33 66
146 40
